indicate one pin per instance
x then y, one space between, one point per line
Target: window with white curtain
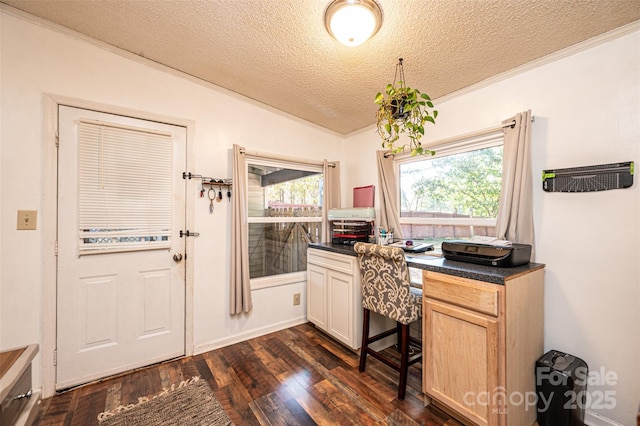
454 194
124 188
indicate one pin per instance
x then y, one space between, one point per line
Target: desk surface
8 358
430 262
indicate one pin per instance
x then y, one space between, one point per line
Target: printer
506 256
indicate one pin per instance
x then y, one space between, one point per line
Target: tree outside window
451 197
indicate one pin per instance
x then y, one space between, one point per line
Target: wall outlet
296 299
27 219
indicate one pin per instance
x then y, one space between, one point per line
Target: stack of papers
491 241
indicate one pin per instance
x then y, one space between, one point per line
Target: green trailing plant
403 110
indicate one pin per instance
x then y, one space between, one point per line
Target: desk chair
386 290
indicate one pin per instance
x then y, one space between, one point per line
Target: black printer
487 254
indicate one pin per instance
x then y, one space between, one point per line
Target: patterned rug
190 403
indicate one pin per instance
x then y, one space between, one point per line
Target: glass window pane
280 248
459 186
281 190
277 191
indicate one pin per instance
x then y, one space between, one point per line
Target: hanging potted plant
403 110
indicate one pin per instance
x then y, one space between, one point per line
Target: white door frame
50 225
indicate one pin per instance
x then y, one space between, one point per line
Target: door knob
177 257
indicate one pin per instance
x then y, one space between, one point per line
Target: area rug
191 402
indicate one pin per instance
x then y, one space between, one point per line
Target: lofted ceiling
278 52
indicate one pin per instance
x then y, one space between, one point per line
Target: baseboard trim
249 334
592 418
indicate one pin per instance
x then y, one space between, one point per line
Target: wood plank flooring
297 376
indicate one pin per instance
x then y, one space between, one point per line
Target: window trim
278 280
264 161
460 221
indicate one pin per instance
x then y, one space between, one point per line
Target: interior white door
120 306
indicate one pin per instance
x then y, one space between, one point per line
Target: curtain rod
284 158
471 135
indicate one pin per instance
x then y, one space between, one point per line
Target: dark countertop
434 263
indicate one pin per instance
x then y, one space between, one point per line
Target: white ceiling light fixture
352 22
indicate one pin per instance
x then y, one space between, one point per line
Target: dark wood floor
297 376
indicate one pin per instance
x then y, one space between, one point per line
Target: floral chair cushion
385 283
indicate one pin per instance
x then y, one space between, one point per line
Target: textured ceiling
278 52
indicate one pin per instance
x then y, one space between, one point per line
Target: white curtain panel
387 182
515 211
240 283
331 195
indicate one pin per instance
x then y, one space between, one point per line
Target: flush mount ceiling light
352 22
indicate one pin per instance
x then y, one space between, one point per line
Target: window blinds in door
125 188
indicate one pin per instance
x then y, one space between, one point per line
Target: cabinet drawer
16 399
471 294
337 262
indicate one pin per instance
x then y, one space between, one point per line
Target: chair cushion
384 279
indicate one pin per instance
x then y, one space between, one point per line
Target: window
454 194
285 215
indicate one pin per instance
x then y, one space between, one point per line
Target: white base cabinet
334 298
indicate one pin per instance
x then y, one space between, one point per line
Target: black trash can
561 386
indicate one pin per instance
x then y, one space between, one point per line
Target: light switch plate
27 219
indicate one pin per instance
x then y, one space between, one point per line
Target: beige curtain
389 214
331 195
515 210
240 285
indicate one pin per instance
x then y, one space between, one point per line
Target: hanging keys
212 196
219 195
229 194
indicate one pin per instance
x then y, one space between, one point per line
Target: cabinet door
461 361
340 307
317 295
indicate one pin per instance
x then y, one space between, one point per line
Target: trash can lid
561 361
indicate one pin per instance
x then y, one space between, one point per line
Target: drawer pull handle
27 394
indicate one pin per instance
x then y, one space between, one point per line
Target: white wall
38 61
587 111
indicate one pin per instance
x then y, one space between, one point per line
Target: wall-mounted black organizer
601 177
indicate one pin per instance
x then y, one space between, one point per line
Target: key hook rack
206 180
211 183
